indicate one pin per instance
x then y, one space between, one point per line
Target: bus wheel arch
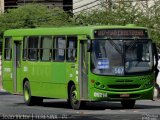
27 93
72 92
24 80
28 98
69 86
70 83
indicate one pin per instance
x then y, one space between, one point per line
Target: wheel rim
74 97
26 94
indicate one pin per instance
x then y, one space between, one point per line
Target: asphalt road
13 107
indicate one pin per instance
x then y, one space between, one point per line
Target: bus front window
107 57
137 56
120 57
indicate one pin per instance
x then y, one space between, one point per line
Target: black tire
69 103
128 104
83 104
30 100
73 102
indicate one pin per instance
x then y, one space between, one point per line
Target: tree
154 18
121 12
34 15
125 12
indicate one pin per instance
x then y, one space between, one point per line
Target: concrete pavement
1 87
12 107
0 83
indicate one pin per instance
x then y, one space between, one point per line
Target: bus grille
118 96
124 86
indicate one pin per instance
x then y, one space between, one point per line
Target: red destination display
124 33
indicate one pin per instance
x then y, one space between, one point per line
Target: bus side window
71 48
25 45
60 47
33 47
8 49
46 48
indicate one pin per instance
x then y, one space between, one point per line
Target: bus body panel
50 78
7 83
135 87
47 79
7 76
102 95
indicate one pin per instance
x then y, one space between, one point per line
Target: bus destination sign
120 33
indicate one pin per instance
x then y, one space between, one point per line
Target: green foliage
122 13
33 15
119 15
154 21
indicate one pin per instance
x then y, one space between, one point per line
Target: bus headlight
99 85
148 84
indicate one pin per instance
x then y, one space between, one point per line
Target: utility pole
145 5
109 5
1 6
146 2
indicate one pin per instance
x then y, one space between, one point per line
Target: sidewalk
1 88
0 83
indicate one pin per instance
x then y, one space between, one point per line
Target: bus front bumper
103 95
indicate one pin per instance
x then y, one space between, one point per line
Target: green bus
80 64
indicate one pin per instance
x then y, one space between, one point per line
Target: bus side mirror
89 45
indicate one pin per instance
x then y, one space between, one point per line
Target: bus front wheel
129 104
73 101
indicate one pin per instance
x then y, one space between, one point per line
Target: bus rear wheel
73 101
30 100
128 104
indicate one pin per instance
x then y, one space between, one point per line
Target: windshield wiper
115 46
131 45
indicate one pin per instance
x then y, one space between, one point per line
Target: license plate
124 95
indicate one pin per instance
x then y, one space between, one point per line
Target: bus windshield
121 57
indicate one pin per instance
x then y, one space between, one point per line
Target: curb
155 93
2 90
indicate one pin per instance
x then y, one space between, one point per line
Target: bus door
83 78
16 64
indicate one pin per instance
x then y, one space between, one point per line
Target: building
86 5
1 6
9 4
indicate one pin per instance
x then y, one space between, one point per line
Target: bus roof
64 30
